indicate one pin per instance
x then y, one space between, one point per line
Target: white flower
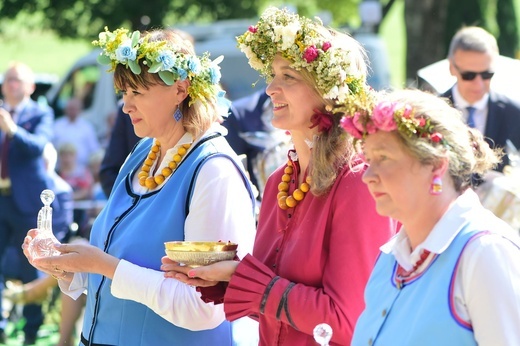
256 63
278 31
289 35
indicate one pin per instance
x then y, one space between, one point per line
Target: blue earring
177 115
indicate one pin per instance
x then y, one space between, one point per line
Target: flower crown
162 57
308 46
389 116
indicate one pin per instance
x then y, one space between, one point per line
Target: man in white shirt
72 128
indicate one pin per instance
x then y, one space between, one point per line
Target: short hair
473 39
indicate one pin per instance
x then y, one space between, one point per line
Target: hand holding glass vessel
42 244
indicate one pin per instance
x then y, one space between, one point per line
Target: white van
89 79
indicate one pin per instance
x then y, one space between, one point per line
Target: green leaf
134 66
156 67
167 77
135 38
104 59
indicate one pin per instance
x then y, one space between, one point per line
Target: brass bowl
200 253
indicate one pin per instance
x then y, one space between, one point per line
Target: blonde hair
466 150
333 149
198 117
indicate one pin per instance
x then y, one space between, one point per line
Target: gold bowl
200 253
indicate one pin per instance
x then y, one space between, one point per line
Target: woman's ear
441 167
181 90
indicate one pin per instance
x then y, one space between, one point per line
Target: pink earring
436 186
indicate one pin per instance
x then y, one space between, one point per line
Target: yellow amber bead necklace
284 200
151 182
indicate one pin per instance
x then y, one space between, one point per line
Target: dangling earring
178 114
436 186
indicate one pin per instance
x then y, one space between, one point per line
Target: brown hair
198 117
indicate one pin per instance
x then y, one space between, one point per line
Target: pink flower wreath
390 116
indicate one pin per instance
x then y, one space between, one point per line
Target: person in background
318 232
122 141
181 182
36 291
74 129
450 276
251 133
79 178
473 56
25 129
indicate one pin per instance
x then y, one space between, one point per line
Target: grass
44 52
48 333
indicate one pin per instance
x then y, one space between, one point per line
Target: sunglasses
468 75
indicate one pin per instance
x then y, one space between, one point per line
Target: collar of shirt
461 103
440 237
18 108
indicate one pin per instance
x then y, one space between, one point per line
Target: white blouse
487 283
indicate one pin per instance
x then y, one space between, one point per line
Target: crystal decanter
322 334
42 243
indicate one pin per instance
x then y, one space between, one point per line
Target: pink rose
310 54
326 45
348 125
383 116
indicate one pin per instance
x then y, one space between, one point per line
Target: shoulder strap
196 173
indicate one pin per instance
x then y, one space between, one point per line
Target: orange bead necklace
151 182
284 200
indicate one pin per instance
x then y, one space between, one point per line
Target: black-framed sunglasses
469 75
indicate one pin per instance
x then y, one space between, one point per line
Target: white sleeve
176 302
77 286
220 208
490 274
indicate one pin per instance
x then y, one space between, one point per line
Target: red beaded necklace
402 275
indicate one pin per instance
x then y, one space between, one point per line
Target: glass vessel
42 243
322 334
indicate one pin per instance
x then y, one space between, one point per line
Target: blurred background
51 34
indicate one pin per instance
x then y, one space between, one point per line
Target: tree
425 32
86 18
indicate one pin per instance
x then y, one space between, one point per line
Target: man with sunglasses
472 56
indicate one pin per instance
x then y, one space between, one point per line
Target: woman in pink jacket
318 231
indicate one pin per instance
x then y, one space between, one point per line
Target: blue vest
134 227
421 311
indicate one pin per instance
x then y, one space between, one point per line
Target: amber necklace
284 200
150 181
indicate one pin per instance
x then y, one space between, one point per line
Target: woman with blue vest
182 181
451 275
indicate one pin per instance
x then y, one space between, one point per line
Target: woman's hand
204 276
74 258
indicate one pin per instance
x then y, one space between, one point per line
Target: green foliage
462 13
508 32
86 18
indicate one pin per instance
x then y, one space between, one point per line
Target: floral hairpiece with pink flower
307 45
390 116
